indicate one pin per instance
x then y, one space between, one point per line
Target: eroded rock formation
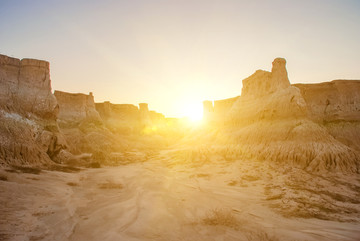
108 110
120 118
26 87
28 110
273 120
76 108
268 95
338 100
336 106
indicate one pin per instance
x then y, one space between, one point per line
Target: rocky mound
28 110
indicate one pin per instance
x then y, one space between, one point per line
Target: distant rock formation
208 110
120 118
276 121
335 105
338 100
127 118
219 111
76 108
28 110
156 117
108 110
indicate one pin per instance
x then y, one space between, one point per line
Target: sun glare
194 112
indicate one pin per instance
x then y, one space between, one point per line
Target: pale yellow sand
153 201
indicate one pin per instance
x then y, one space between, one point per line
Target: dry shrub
72 184
260 236
31 170
110 185
221 217
250 178
3 177
64 168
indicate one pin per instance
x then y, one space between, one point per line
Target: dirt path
151 201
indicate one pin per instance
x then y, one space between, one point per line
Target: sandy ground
155 200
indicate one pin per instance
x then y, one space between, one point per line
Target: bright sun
194 111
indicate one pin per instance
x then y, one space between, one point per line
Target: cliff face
338 100
26 87
120 118
76 108
28 111
108 110
335 105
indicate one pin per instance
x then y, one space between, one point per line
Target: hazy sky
174 54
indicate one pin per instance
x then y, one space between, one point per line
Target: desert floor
161 200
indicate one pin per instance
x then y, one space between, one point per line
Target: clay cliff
336 106
338 100
28 112
76 108
273 120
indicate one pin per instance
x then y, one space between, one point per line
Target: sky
175 54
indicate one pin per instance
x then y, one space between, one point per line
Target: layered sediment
76 108
28 113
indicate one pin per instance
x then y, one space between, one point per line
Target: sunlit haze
175 54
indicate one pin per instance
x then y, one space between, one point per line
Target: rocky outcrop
127 118
119 118
264 83
208 110
273 120
28 112
26 87
156 117
76 108
338 100
219 111
222 107
268 96
108 111
336 106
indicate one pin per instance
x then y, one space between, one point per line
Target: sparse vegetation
63 168
94 165
250 178
221 217
275 197
260 236
23 169
33 178
110 185
3 177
